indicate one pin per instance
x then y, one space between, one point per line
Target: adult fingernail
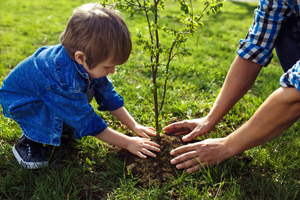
185 138
178 166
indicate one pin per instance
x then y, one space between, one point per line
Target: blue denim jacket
47 89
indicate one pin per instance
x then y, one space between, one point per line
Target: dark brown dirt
157 170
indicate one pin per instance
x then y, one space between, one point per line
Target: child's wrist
127 143
134 127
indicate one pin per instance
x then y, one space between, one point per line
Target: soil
156 170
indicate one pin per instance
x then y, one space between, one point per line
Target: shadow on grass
73 173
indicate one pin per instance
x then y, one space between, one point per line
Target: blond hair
99 32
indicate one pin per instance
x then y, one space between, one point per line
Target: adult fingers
193 164
175 126
182 132
183 149
184 162
186 159
196 167
191 135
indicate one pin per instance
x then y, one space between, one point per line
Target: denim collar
81 70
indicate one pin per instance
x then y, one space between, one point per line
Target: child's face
102 69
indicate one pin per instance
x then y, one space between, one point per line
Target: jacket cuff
96 126
112 104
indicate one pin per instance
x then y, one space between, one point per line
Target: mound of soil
157 170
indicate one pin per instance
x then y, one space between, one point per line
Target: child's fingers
147 152
152 148
152 143
150 131
139 154
144 135
151 128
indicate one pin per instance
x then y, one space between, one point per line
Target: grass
84 169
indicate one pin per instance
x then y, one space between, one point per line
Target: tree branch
167 72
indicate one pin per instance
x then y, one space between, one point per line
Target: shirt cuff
96 126
112 104
292 77
254 53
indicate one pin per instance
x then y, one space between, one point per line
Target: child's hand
141 146
144 131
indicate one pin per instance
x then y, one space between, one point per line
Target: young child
47 92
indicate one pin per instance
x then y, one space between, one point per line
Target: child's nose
112 70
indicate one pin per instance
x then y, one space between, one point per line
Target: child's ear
80 57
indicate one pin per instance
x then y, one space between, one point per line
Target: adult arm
240 78
254 51
275 115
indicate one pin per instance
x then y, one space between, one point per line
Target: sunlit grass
84 170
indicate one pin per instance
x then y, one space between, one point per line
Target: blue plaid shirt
260 41
292 77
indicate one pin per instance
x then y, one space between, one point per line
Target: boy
47 92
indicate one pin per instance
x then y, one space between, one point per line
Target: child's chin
98 76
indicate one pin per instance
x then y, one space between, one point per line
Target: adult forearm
275 115
240 78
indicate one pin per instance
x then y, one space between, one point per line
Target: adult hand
200 154
141 146
192 128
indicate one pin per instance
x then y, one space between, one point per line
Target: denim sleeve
106 96
260 41
96 126
74 110
292 77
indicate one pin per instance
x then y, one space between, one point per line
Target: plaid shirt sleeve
260 40
292 77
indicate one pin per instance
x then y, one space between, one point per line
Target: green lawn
85 170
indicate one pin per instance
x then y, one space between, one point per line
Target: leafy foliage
162 50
